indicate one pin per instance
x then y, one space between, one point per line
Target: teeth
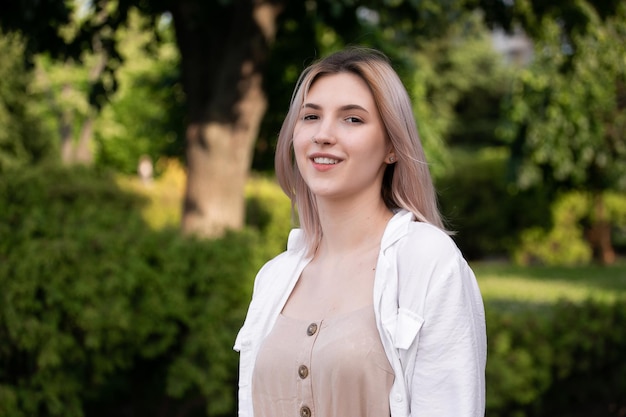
325 161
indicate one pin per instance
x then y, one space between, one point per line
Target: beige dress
335 367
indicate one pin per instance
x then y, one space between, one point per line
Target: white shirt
429 313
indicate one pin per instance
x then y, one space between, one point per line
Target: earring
392 159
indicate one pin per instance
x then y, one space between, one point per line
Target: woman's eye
352 119
310 117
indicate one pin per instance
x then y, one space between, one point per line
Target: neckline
330 319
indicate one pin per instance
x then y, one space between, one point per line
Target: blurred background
137 196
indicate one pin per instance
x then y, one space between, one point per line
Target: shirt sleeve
445 365
449 370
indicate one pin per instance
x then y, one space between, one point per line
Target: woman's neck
351 226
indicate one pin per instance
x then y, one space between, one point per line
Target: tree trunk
223 51
599 234
83 152
65 128
80 151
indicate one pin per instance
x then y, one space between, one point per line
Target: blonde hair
406 184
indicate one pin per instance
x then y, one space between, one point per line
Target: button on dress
334 367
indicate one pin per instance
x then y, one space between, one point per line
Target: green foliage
568 361
564 243
518 370
163 194
460 81
454 74
99 313
615 204
23 139
145 116
616 211
481 206
566 119
64 106
268 210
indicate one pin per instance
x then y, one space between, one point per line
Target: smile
325 161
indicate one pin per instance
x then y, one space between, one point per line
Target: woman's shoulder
277 268
294 250
278 262
428 240
426 258
427 251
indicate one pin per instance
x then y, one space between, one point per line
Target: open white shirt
429 313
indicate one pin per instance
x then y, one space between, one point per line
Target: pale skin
341 150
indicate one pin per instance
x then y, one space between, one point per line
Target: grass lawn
509 286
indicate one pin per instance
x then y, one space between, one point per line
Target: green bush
268 210
563 361
564 243
616 211
100 315
480 204
24 138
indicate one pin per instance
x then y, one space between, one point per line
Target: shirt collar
396 228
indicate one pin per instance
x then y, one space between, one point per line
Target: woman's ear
391 158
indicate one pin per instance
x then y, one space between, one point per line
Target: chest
328 288
335 367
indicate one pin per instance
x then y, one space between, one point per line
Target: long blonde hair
406 184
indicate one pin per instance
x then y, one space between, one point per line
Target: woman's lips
324 162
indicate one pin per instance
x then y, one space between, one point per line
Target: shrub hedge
566 360
480 204
564 243
102 315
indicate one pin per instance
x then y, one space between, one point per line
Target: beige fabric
339 370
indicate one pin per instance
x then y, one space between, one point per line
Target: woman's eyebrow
342 108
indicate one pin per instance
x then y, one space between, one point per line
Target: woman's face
339 140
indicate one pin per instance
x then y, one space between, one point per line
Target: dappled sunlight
164 194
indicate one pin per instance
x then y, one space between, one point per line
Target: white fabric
429 313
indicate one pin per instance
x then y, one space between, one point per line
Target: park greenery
106 311
118 299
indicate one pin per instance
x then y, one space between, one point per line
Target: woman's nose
324 136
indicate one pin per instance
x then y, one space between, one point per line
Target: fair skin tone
341 151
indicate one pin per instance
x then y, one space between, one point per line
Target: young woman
372 310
